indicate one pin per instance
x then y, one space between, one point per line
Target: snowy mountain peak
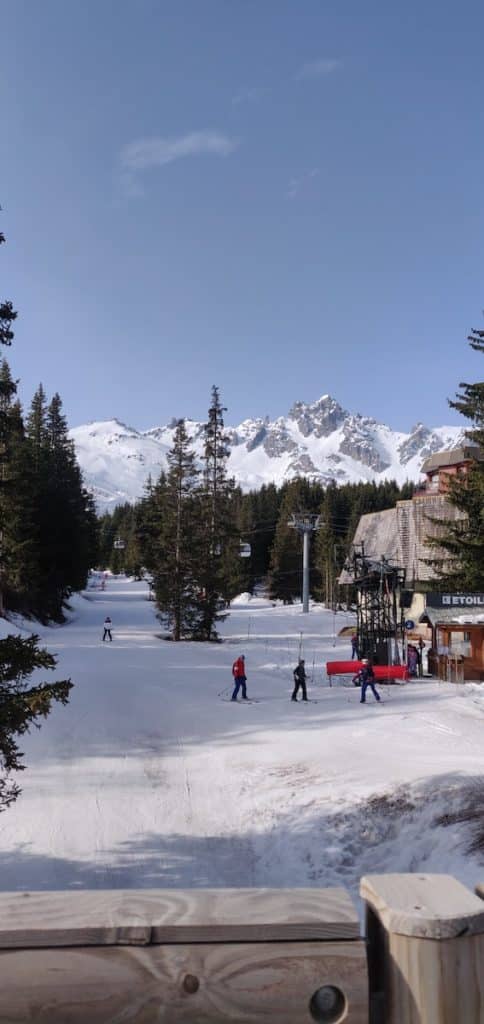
318 440
320 418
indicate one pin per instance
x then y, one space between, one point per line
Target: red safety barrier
390 671
345 668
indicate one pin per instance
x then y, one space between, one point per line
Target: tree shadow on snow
412 828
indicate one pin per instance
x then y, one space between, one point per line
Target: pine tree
285 580
22 706
330 543
219 507
463 539
14 511
259 518
149 523
69 536
7 314
176 574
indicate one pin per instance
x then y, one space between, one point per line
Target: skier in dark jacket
354 646
299 680
366 677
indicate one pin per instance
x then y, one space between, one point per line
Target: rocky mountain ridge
320 441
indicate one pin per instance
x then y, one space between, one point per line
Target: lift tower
380 616
305 523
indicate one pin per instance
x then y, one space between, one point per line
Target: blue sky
282 197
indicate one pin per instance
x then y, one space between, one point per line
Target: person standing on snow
107 628
354 646
238 672
299 680
366 677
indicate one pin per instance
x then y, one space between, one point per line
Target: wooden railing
245 956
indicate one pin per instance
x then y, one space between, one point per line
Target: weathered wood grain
426 906
238 983
141 917
434 982
425 950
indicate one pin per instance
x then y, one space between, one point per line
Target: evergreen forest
48 537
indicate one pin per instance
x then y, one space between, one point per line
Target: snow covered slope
151 777
320 441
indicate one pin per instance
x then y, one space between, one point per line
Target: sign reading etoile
438 600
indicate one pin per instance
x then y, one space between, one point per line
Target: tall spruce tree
19 511
63 533
463 539
330 546
150 513
285 579
219 507
177 572
69 538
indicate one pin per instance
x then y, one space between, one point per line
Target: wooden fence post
425 936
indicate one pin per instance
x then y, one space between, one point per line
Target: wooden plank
34 919
429 906
201 984
257 915
434 982
140 917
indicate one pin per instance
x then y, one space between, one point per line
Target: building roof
453 457
453 617
401 534
377 532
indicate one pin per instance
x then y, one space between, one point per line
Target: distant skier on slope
238 672
366 677
107 628
354 646
299 680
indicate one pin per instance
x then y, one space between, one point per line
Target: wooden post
182 957
425 938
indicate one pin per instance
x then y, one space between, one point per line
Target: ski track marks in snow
145 779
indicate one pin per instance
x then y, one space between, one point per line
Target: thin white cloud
248 94
318 68
296 184
157 152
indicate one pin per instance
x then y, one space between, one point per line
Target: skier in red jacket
238 672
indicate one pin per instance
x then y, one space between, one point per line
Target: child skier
107 628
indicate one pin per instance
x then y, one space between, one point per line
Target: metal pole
305 523
306 571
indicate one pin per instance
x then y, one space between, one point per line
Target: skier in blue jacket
366 677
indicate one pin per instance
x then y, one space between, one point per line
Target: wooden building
441 467
401 536
457 624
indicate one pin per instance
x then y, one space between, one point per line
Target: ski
228 700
